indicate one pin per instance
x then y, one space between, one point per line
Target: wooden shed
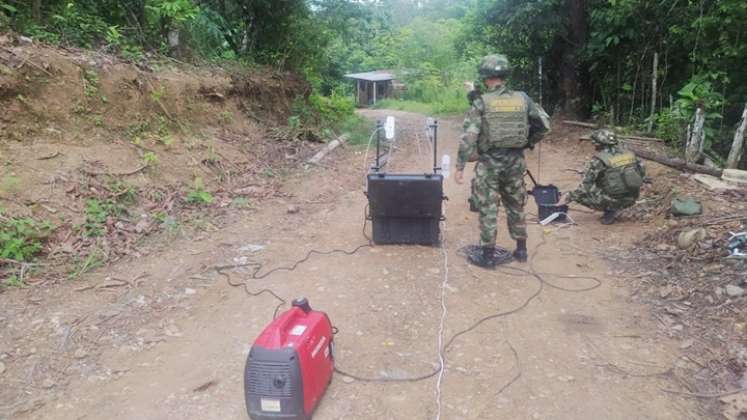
372 86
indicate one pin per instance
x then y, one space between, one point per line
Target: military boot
609 216
521 254
484 258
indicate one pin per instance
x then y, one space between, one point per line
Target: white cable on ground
444 310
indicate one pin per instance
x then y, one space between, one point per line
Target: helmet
494 65
604 137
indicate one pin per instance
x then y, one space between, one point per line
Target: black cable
258 266
254 294
365 223
254 275
500 314
502 256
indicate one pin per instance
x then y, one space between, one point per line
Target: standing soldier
499 126
612 180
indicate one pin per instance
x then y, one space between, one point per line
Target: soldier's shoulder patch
622 159
506 103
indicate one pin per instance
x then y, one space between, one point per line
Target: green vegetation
96 214
94 259
99 211
358 130
150 159
123 194
459 105
198 196
21 239
13 281
90 83
597 55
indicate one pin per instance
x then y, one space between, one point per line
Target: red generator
290 365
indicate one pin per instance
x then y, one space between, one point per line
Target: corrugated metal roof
372 76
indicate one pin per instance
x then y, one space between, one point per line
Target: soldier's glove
473 95
568 199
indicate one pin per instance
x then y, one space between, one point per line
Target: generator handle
434 126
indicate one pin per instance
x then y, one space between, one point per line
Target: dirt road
173 346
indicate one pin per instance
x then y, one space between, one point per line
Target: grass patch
93 260
405 105
445 102
198 196
357 128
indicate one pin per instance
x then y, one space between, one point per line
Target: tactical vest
622 176
505 121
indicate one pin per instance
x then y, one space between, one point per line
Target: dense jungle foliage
597 55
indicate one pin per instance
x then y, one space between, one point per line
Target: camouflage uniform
500 171
593 192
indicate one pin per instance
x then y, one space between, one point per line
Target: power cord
506 270
257 267
444 313
501 256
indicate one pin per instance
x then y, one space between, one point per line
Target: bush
670 125
331 109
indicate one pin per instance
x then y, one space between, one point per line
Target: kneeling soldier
612 180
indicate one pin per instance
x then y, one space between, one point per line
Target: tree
36 6
572 70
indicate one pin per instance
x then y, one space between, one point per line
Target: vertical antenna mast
539 149
436 168
540 81
379 127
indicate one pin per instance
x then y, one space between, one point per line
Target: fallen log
620 136
327 149
580 124
676 163
641 138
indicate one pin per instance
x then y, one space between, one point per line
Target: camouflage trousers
501 177
595 198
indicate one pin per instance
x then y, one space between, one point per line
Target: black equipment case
406 208
547 198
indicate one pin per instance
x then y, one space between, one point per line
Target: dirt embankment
97 153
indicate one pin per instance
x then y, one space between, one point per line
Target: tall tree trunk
735 155
36 10
696 138
653 92
570 67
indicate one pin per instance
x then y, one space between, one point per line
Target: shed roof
372 76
